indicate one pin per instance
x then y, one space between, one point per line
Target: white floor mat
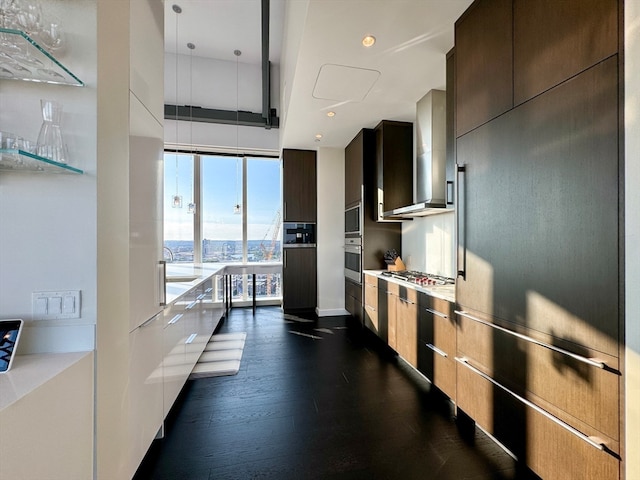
221 356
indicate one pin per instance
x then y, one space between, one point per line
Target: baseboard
331 312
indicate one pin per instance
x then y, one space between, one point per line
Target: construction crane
267 253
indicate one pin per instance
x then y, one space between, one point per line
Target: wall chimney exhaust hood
431 190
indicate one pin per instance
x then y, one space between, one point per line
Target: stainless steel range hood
430 166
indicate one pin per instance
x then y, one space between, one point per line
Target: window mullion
197 216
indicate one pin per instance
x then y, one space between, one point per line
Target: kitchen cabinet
392 291
554 41
407 325
394 166
371 318
361 147
483 63
450 128
299 186
353 299
539 242
437 343
299 280
146 392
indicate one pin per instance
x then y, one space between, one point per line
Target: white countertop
196 273
28 372
446 292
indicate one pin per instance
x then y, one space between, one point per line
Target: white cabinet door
174 368
145 215
145 394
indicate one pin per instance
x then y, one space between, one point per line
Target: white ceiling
413 37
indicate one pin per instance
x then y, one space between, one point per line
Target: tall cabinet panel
299 279
299 186
484 63
394 166
538 334
543 53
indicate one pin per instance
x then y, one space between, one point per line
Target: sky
222 189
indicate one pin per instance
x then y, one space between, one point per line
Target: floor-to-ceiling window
224 209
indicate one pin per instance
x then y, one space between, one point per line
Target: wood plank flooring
317 399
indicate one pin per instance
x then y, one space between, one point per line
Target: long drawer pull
201 296
175 319
208 290
589 361
437 350
435 312
591 441
191 305
191 338
369 306
404 300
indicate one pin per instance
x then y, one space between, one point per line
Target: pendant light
176 199
191 208
237 208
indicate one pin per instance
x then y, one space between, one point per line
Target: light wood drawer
370 279
542 441
580 393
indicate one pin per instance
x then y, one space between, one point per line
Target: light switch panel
55 305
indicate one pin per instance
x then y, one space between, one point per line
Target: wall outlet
53 305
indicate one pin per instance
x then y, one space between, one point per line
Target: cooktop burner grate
420 278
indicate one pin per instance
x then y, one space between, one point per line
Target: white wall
632 237
428 244
48 222
330 232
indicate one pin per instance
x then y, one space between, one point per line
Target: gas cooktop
420 278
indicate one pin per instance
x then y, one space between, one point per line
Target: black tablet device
9 336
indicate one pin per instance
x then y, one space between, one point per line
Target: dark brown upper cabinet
299 190
484 63
394 166
555 40
354 162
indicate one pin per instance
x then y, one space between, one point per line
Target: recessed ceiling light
368 40
331 114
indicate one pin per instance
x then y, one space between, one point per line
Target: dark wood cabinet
394 166
540 213
451 128
299 186
437 343
359 149
353 299
299 280
538 331
554 41
484 63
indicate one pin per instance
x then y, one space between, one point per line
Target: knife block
397 266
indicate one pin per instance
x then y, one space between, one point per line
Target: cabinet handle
437 350
201 296
380 211
404 300
191 305
450 192
285 258
209 290
589 361
437 313
147 322
596 443
191 338
163 283
461 247
285 210
369 306
175 319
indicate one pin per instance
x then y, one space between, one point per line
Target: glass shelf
21 161
31 62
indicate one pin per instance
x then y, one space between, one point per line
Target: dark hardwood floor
317 399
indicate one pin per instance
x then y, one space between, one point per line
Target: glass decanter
50 144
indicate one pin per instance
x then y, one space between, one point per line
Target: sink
182 278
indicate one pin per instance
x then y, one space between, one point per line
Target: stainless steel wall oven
353 259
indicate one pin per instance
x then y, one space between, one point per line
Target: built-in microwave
353 259
353 221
